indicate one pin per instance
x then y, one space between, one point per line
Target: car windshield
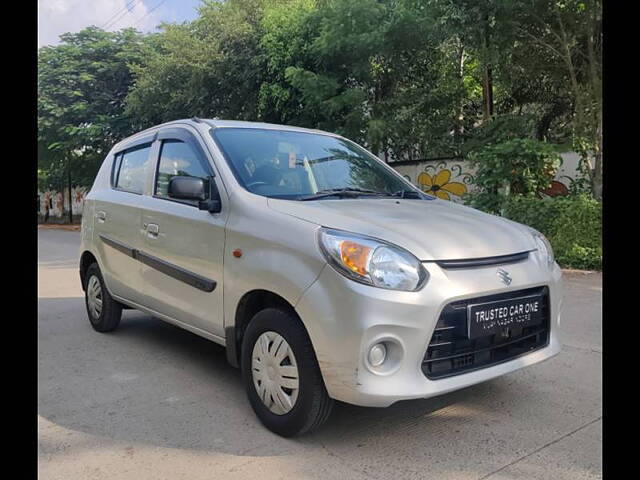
300 165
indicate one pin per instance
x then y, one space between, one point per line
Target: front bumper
344 319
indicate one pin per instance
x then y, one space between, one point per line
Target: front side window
295 165
177 159
131 173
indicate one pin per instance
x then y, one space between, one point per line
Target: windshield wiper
407 194
342 193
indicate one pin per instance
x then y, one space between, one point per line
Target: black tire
111 311
313 405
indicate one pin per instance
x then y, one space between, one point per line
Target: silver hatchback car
325 274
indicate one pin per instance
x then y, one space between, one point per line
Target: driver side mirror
195 189
213 204
187 188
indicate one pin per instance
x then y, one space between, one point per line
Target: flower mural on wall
439 185
556 189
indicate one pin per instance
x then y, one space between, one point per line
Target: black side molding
174 271
483 262
179 273
121 247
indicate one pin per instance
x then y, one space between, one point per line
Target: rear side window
131 169
177 159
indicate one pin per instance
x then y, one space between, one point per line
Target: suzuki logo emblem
504 276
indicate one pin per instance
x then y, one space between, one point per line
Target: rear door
184 246
117 216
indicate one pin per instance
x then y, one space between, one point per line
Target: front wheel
281 374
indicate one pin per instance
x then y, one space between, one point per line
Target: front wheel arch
251 303
313 404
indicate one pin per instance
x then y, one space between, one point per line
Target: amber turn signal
355 256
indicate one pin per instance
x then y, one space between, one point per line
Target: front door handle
101 216
153 230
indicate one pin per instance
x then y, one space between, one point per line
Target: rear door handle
153 230
101 216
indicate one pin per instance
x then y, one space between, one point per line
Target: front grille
451 352
483 262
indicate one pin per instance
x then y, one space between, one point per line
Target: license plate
499 317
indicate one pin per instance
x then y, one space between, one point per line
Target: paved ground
151 401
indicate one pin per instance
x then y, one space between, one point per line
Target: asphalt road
151 401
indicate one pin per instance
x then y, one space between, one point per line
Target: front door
183 246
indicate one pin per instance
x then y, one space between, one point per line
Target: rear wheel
281 374
104 312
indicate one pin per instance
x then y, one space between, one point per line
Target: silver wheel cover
275 372
94 297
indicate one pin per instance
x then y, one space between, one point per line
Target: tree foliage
211 67
518 167
561 40
82 87
408 78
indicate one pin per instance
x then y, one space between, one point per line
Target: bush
500 129
520 167
572 224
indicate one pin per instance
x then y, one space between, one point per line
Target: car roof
218 123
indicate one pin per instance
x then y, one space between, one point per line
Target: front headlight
371 261
544 248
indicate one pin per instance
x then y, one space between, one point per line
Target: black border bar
483 262
174 271
121 247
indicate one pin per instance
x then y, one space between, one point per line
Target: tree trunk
595 69
487 93
543 126
596 179
459 126
487 80
69 187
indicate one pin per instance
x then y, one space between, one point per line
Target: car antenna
196 119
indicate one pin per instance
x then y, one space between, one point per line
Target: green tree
288 30
211 67
379 77
565 36
82 86
407 78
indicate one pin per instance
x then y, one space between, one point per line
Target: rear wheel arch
103 311
86 259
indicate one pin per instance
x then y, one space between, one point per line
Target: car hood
430 229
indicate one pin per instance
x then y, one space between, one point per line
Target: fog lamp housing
377 354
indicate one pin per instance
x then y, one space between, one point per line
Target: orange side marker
237 253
